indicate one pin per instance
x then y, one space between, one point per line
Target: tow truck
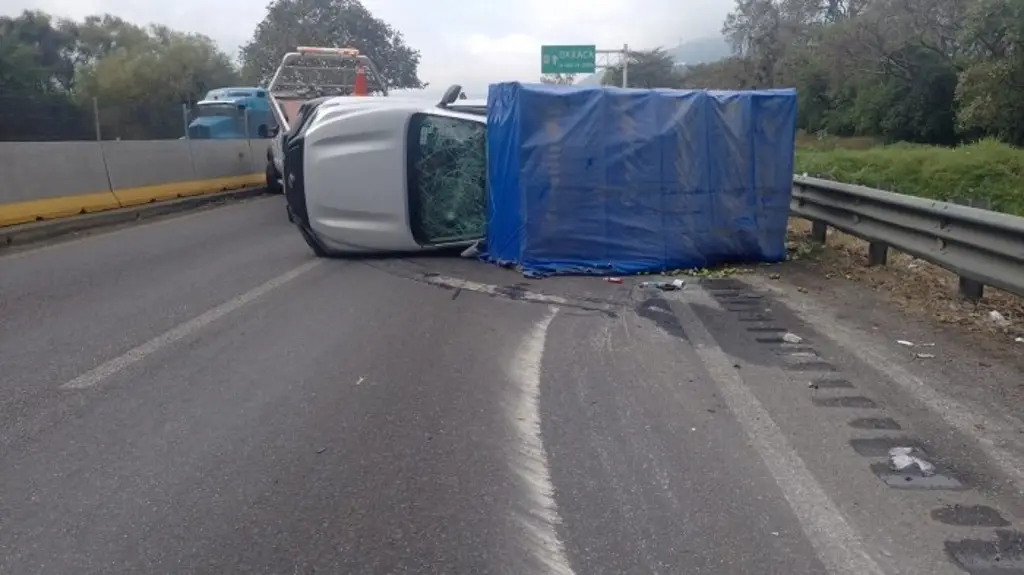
304 79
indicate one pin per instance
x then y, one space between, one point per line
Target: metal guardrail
982 247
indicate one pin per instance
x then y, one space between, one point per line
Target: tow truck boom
313 72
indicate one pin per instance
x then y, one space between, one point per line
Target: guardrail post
970 289
878 253
819 232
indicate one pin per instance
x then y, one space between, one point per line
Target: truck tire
274 185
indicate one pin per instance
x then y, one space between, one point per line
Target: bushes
987 170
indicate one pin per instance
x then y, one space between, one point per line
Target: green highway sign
568 59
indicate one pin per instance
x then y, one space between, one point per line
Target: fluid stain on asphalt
969 516
657 310
1004 556
915 479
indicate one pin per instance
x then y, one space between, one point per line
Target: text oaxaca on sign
568 59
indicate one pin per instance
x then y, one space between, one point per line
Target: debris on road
472 251
792 338
905 342
902 458
924 356
665 286
1019 340
998 319
613 280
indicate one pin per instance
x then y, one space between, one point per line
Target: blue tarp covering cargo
617 181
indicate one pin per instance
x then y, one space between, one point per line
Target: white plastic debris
472 251
905 342
998 319
678 284
1019 340
903 458
924 355
792 338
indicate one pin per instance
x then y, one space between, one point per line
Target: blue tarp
619 181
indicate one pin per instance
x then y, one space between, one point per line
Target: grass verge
988 171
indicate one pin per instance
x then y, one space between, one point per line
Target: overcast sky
467 42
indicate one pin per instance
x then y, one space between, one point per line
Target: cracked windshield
365 287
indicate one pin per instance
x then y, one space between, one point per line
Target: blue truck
232 114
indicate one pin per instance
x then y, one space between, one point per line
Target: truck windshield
229 110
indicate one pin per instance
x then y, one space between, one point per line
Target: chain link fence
57 117
45 118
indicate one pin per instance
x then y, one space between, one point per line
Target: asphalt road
201 395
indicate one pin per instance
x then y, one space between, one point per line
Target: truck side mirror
262 131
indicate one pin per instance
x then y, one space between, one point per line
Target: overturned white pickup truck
376 175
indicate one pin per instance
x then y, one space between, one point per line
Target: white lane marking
136 354
988 431
469 285
541 518
838 544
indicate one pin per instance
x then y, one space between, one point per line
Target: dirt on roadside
914 287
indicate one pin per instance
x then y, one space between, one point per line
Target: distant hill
690 53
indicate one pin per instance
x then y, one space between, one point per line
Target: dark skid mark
787 348
756 317
658 310
1004 556
845 401
969 516
770 339
876 423
741 309
457 293
767 329
730 340
880 446
796 365
739 299
833 383
514 292
914 479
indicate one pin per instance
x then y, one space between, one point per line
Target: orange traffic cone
360 84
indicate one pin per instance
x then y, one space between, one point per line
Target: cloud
471 43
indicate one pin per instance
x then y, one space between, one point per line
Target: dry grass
815 142
913 285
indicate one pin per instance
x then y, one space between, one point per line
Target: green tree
36 78
646 69
99 36
560 79
141 87
335 23
990 91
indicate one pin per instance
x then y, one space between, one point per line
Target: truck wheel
273 180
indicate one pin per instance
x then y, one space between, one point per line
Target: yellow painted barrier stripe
162 192
61 207
67 206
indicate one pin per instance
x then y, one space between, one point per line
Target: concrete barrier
46 180
52 180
